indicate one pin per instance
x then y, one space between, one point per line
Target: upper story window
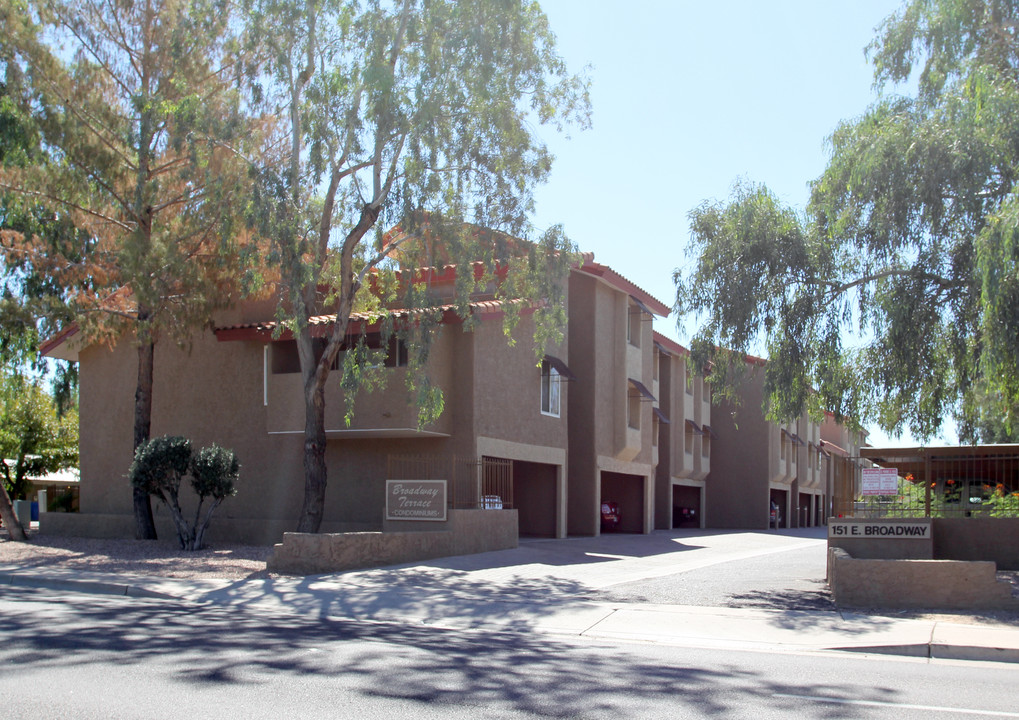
687 379
284 358
636 394
633 410
782 435
688 438
549 389
636 314
655 362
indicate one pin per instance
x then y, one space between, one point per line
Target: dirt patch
138 557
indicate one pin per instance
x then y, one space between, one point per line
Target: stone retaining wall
467 532
916 584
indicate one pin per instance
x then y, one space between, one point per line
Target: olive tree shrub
162 463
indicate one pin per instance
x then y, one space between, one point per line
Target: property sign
416 500
880 481
862 529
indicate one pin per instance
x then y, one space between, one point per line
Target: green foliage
162 463
1003 503
895 295
214 472
34 439
417 113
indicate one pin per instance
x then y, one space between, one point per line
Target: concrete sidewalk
546 587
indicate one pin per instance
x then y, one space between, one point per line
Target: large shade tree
894 296
418 112
137 108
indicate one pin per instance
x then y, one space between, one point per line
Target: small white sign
880 481
416 500
840 529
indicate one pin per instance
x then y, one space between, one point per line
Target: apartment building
764 473
685 438
575 426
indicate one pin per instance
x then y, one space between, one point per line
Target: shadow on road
220 647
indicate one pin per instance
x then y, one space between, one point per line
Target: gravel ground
141 557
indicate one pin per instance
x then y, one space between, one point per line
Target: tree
32 305
136 105
893 297
161 463
409 112
34 438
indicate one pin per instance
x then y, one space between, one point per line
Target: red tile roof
320 324
589 266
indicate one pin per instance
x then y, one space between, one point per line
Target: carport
534 492
686 506
628 492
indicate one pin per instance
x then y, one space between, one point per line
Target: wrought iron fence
474 483
979 481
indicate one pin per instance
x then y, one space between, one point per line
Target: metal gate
474 483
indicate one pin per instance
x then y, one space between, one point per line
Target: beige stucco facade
759 463
632 424
612 451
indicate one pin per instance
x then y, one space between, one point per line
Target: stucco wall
912 584
214 393
582 481
995 539
667 368
210 394
738 494
507 387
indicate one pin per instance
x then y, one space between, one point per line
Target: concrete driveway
782 569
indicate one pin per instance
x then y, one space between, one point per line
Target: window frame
550 381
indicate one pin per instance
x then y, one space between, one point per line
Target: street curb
939 651
91 587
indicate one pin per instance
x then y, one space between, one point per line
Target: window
396 355
706 443
549 389
781 444
656 427
687 380
635 316
688 438
633 411
633 326
284 358
657 358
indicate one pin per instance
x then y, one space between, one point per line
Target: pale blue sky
687 98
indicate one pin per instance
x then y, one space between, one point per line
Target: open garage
534 494
627 492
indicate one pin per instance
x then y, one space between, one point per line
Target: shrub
161 463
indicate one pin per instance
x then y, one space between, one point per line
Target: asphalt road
105 657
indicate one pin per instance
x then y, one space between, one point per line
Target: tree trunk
14 528
315 473
145 528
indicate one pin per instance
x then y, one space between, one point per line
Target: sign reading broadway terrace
863 529
416 500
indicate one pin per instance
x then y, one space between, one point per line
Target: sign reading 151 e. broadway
863 529
416 500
